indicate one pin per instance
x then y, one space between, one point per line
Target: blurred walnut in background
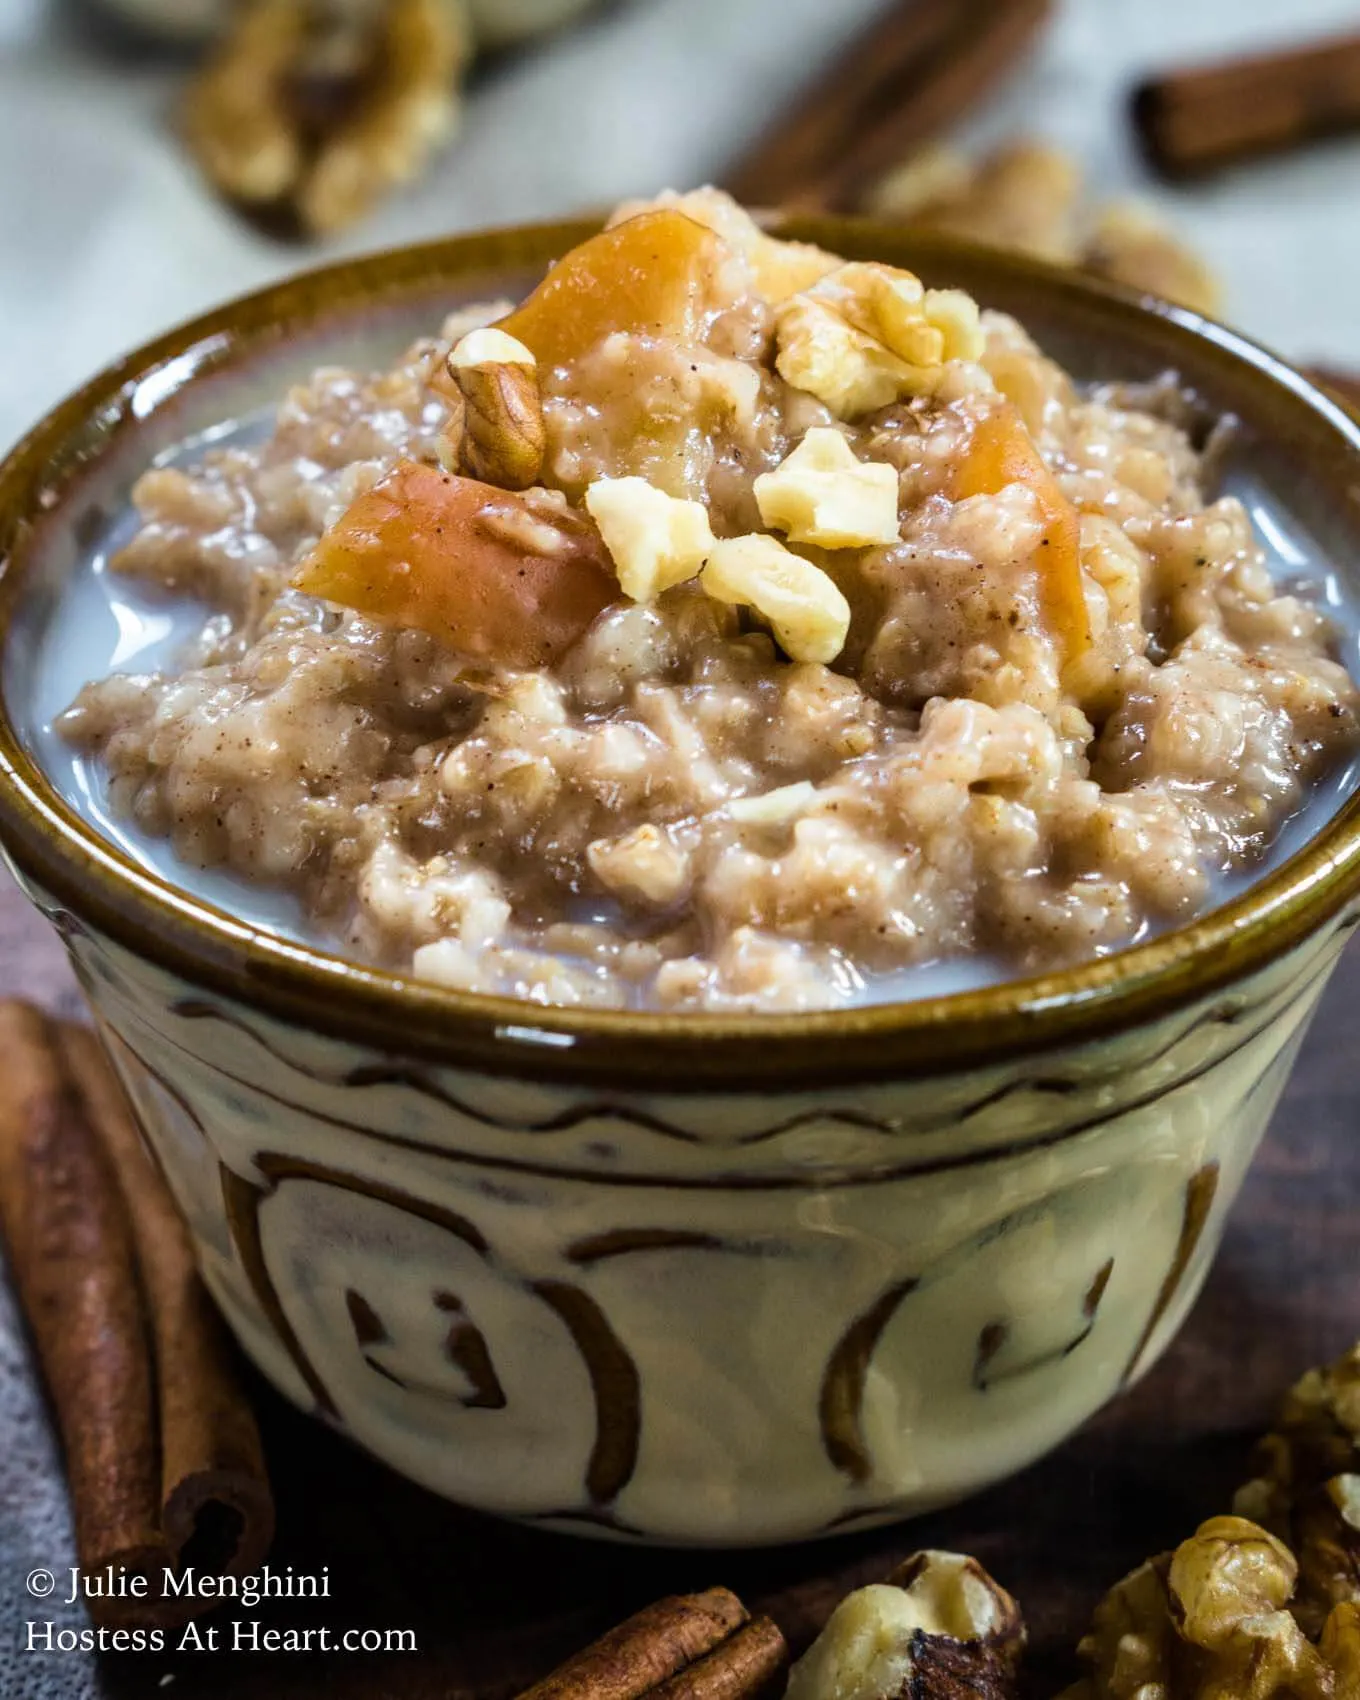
495 23
316 109
1027 195
323 109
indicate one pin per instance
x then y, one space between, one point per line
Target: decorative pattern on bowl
707 1318
684 1279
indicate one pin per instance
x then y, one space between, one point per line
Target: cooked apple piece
492 574
645 276
1002 452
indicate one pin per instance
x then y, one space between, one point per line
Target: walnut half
1212 1621
1307 1489
500 436
867 334
938 1629
321 109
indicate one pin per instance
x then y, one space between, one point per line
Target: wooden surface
493 1606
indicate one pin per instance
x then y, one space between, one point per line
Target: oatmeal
728 627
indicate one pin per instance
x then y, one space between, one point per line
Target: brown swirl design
991 1338
369 1328
614 1379
241 1206
840 1407
820 1180
126 1063
616 1386
613 1375
861 1517
587 1517
1200 1192
466 1349
1229 1013
620 1242
994 1335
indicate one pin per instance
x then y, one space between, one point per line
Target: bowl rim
89 879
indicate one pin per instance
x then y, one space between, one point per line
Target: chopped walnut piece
774 808
867 334
823 493
1229 1572
936 175
938 1629
655 540
648 865
1340 1649
807 612
1308 1487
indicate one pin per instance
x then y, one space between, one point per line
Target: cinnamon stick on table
163 1456
687 1647
71 1253
909 76
1200 120
216 1507
1344 385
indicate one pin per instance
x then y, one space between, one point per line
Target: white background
107 236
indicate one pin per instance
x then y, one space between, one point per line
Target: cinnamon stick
686 1647
71 1255
1344 385
910 75
217 1512
1196 121
747 1666
163 1456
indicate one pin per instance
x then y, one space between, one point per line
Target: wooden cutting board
493 1606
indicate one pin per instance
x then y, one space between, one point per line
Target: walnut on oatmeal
497 432
836 633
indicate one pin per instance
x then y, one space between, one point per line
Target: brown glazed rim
93 881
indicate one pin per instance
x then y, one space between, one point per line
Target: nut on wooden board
939 1628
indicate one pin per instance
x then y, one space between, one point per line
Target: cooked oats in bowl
725 627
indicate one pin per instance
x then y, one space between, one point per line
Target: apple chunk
490 573
1002 452
646 276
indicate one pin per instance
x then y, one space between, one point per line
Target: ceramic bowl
678 1279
